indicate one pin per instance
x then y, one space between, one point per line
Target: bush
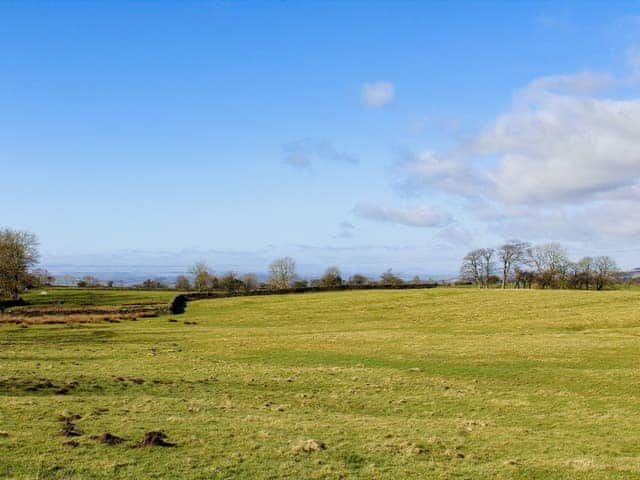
178 304
11 303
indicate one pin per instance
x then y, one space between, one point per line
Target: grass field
441 383
97 296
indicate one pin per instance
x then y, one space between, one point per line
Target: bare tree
606 271
511 255
471 268
250 282
584 272
551 263
478 266
18 253
331 278
152 284
391 279
523 278
41 277
182 283
89 281
231 283
486 255
203 279
551 256
282 273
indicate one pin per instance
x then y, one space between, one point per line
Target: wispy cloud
345 230
633 61
378 94
303 153
414 217
455 235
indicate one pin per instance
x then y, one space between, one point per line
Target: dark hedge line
4 304
218 294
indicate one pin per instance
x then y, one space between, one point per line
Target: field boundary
192 296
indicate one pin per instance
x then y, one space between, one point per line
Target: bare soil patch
155 439
68 426
308 446
60 314
110 439
38 385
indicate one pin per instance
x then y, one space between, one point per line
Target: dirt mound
68 427
156 439
110 439
308 446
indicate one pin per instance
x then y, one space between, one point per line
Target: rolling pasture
439 383
97 296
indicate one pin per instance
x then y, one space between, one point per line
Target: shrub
178 304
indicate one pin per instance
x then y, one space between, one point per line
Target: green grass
97 296
441 383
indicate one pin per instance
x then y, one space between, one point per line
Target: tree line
546 266
19 257
282 275
515 263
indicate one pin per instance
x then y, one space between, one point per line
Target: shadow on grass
503 369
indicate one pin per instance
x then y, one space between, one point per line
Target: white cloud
297 159
448 172
378 94
414 217
583 83
550 148
617 213
302 153
562 163
563 149
455 234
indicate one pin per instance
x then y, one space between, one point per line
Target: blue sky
371 135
